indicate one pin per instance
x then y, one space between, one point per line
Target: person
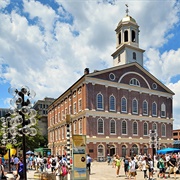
1 171
88 163
20 169
144 166
108 159
114 162
53 163
16 161
173 166
118 165
44 163
126 166
162 166
151 168
132 168
12 162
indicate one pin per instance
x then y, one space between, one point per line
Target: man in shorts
173 167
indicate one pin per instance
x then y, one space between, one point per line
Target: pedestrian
118 165
132 168
151 168
44 162
16 161
144 166
52 163
108 159
114 162
173 166
162 166
126 166
20 169
88 163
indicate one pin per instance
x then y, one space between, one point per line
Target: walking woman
20 169
144 166
118 165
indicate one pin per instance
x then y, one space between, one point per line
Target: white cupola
127 42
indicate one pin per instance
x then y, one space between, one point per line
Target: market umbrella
168 150
29 152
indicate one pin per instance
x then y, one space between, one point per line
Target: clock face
154 86
112 76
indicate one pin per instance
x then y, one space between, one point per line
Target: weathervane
127 10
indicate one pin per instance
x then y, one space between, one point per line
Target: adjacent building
41 106
116 107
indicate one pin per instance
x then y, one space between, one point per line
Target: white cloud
44 53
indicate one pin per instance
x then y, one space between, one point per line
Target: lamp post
8 137
23 117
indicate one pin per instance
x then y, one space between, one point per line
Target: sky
47 44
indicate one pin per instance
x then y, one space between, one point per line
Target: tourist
118 165
173 166
88 163
132 168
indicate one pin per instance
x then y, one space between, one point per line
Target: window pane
123 105
154 109
124 127
100 126
134 108
99 101
113 127
112 103
145 129
145 108
135 128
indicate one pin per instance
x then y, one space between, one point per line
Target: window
163 130
70 109
145 129
75 127
123 104
134 55
99 101
119 38
112 127
80 126
134 106
135 128
112 103
59 116
74 108
100 151
134 82
145 108
126 36
119 58
154 109
133 36
80 104
62 130
154 126
124 128
100 126
124 151
163 110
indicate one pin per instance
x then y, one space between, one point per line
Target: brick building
116 107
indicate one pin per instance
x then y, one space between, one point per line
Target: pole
24 140
9 154
68 141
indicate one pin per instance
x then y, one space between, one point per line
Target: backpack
136 165
44 160
53 162
158 164
64 171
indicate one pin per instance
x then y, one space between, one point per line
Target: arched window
145 129
145 149
145 107
100 150
124 127
119 38
123 104
135 128
112 127
134 106
100 126
124 151
154 126
126 36
133 35
99 101
163 110
112 103
134 82
134 150
163 130
154 109
134 55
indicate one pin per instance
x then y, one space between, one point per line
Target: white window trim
98 126
132 106
114 103
97 102
126 105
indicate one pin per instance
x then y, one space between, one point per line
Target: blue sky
47 44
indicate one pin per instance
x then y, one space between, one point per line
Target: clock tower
127 42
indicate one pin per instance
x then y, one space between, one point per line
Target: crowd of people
160 166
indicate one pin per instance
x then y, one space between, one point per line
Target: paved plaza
103 171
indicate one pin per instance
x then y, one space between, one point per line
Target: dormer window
134 82
119 38
134 56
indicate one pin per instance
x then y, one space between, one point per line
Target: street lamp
23 116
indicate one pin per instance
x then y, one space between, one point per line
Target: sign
79 157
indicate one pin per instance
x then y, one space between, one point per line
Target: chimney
86 71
